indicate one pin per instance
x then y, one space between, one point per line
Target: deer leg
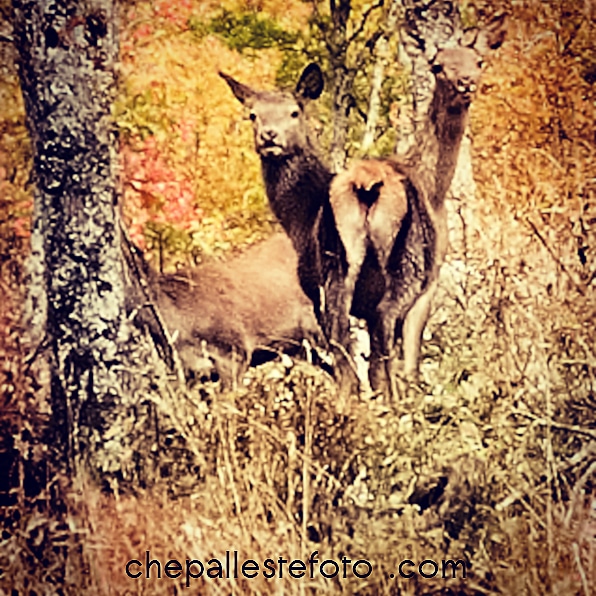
356 342
336 326
352 227
379 377
383 363
413 327
390 311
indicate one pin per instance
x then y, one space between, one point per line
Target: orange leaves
143 31
533 124
176 13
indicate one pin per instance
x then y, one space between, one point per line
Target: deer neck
297 187
439 147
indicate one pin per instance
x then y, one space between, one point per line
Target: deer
297 184
391 214
224 316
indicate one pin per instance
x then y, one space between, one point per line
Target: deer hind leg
357 344
380 368
387 366
412 330
352 227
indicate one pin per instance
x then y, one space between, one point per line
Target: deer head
457 70
278 118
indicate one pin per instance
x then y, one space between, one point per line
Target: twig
517 496
579 485
362 24
346 355
227 448
580 568
41 347
572 36
564 269
551 473
560 425
307 451
140 277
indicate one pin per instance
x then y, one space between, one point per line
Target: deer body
297 184
395 209
230 311
298 191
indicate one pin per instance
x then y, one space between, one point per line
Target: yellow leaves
172 92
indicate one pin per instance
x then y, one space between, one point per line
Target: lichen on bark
106 380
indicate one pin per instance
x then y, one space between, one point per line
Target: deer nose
268 135
466 85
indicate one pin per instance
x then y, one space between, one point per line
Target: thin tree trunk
382 52
341 86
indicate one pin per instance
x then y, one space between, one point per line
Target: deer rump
238 312
389 239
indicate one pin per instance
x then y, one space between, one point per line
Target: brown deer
391 214
233 311
297 184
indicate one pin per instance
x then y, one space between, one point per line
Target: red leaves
154 191
177 13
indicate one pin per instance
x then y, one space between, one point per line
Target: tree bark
342 79
103 370
382 53
348 51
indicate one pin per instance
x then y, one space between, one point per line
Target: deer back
249 302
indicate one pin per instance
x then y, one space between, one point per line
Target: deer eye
437 68
295 114
480 63
252 116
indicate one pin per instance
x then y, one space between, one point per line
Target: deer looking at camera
223 316
297 184
391 214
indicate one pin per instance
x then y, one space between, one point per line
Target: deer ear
310 85
492 35
469 37
242 92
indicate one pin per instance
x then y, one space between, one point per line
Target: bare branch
588 432
564 269
362 24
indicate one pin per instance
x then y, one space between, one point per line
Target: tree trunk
382 53
102 368
341 83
